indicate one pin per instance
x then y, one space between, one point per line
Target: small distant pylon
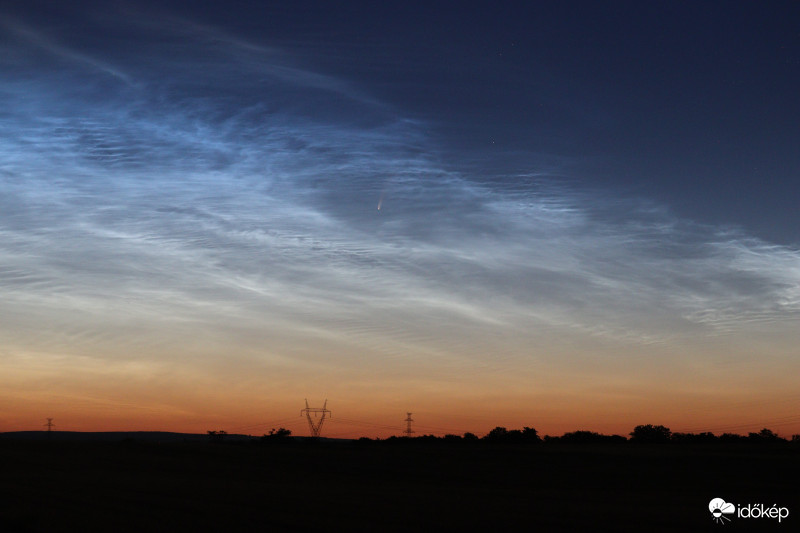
49 425
316 427
408 430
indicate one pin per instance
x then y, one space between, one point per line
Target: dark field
354 486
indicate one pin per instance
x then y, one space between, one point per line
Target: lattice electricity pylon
316 427
49 425
408 430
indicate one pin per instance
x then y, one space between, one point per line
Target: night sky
565 215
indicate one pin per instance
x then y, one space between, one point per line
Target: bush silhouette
276 436
279 433
216 436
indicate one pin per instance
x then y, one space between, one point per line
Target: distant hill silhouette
115 436
143 436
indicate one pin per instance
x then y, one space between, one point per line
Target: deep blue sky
689 103
551 204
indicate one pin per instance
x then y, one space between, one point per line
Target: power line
446 430
368 424
287 420
777 421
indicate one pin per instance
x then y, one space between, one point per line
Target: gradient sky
565 215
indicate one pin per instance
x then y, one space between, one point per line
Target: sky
564 215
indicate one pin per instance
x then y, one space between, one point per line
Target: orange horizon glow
609 392
349 420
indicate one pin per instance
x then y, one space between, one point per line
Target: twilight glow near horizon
570 217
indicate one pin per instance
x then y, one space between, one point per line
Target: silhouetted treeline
659 434
586 437
643 434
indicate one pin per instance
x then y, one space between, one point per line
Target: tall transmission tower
408 430
49 425
315 424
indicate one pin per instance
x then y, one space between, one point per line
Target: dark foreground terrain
51 486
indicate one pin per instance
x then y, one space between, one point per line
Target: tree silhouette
501 434
651 433
765 435
731 437
498 434
530 435
694 437
587 437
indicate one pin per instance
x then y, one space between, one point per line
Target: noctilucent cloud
579 215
